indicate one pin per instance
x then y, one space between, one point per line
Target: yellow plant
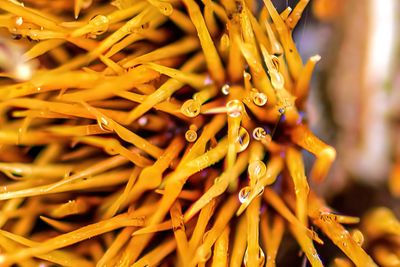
151 132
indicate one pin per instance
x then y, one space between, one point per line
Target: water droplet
357 236
259 133
257 169
17 3
217 180
260 191
16 173
244 194
104 124
166 8
19 21
191 135
275 61
277 80
225 89
260 99
203 254
246 75
234 108
281 110
190 108
38 89
243 140
100 24
261 257
224 43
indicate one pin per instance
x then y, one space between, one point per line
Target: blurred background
355 97
355 101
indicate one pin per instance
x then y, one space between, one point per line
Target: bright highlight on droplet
246 75
191 134
244 193
277 80
261 258
190 108
19 21
259 133
225 89
104 124
259 99
257 169
243 140
100 24
234 108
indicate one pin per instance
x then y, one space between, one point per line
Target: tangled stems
162 132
